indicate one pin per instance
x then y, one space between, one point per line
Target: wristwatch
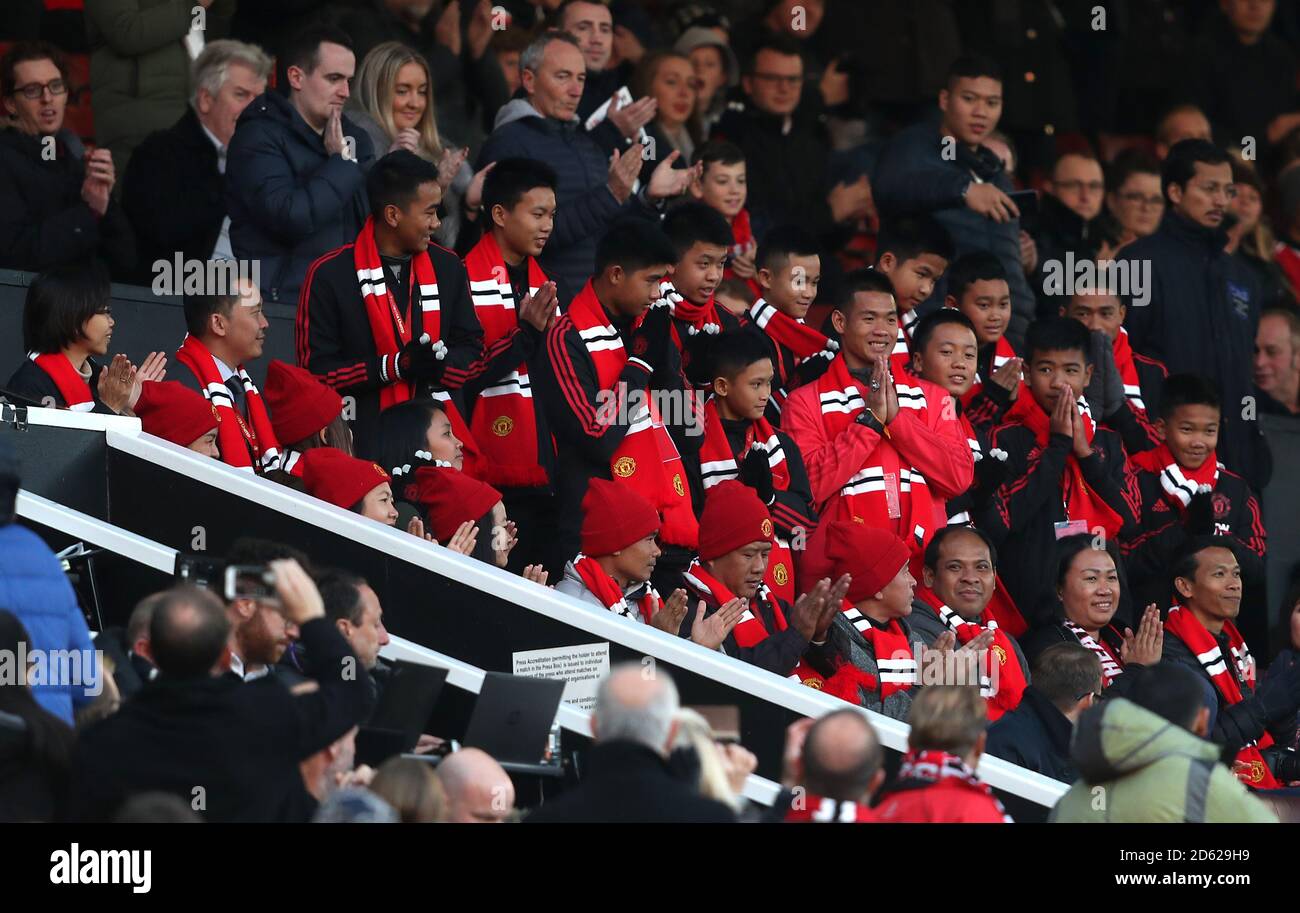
868 418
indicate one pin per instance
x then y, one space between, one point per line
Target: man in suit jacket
627 778
229 748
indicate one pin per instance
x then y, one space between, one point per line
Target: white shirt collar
217 144
225 370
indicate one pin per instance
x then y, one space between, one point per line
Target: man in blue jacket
296 168
1198 308
593 190
34 588
943 169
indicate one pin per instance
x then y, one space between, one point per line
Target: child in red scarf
721 185
977 286
1067 476
913 252
1185 492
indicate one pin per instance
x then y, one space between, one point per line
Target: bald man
478 790
833 775
627 777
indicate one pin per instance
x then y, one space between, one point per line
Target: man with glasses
1198 311
1070 222
56 203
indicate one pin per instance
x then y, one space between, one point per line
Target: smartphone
249 581
723 719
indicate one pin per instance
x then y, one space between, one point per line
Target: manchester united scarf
807 808
72 386
1181 623
1178 484
1111 665
235 437
1002 695
1080 501
647 459
900 359
889 646
940 767
795 335
886 492
1128 370
742 233
504 421
607 590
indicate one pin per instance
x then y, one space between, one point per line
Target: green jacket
1140 768
139 67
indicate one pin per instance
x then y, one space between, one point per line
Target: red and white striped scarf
1079 500
1010 687
886 492
646 459
235 437
291 463
699 318
900 359
1178 484
1111 665
611 595
742 233
889 646
812 809
1181 623
941 767
504 419
1002 353
795 335
72 386
1128 371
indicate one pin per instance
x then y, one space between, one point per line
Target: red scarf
939 767
1011 683
900 359
607 590
1111 665
1128 370
886 492
504 421
795 335
717 464
1288 258
894 657
1080 501
811 809
72 387
391 328
1178 484
1002 354
647 459
742 233
699 318
235 437
291 463
1181 623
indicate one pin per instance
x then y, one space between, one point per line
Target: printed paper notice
582 667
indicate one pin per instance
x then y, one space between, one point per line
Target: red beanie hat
873 556
174 412
449 498
614 516
333 476
733 517
301 404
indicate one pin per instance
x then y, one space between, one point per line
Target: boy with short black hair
1186 492
722 185
789 270
1066 476
977 286
914 252
739 443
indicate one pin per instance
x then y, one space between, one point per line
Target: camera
229 581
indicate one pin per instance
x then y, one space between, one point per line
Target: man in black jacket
1199 308
231 749
628 779
174 189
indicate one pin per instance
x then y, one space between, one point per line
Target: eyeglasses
779 78
1139 199
35 90
1076 186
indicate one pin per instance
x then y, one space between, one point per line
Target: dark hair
340 591
926 326
1180 163
28 52
511 178
782 242
1058 334
395 180
718 152
1065 673
973 66
931 559
252 550
634 244
1128 163
969 268
1170 690
696 223
403 429
843 785
337 435
1187 559
58 304
777 43
49 740
863 280
1071 547
187 633
910 236
200 308
483 550
735 351
1186 390
736 287
302 49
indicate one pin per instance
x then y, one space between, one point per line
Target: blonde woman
720 769
393 102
